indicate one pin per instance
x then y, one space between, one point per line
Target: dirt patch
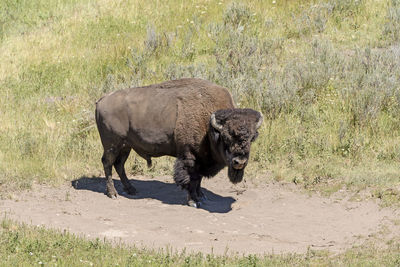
244 219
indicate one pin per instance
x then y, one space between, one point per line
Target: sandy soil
235 219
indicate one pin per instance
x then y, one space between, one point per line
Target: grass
330 100
21 245
324 73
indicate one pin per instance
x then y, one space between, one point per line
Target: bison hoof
193 204
112 195
111 192
130 190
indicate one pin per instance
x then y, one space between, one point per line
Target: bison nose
238 163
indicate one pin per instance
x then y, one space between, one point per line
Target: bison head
232 131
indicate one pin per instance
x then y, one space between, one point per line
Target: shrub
236 14
392 26
154 41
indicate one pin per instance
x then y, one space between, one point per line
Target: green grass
21 245
324 73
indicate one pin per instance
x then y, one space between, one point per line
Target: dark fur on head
232 134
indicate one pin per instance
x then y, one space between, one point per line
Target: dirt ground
242 219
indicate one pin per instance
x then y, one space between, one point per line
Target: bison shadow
167 193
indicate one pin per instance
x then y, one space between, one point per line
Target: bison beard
235 176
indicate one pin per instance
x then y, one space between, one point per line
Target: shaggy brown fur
171 118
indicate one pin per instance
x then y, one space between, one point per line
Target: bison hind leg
108 159
120 168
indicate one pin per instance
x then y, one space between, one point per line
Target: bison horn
260 121
214 123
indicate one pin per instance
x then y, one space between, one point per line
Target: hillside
324 73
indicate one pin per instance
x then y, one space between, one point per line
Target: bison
191 119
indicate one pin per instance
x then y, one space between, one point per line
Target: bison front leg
200 194
194 199
185 177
